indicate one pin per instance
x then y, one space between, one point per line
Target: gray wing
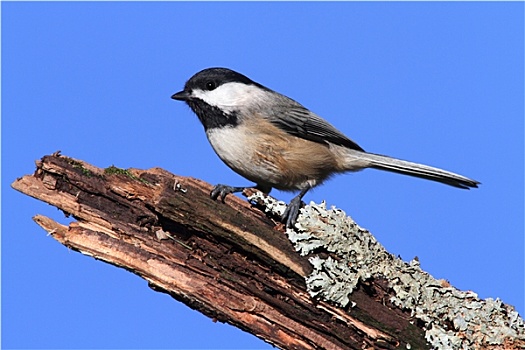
299 121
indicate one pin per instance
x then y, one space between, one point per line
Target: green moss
113 170
78 165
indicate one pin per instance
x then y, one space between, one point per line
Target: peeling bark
230 261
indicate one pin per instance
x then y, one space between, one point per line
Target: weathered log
235 263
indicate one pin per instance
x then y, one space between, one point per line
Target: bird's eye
210 85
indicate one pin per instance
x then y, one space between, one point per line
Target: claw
289 217
291 213
223 190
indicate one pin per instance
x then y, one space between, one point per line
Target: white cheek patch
230 96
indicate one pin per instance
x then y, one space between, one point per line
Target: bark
230 261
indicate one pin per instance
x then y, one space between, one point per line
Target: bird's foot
223 190
289 217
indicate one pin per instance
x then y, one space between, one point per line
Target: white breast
230 145
235 147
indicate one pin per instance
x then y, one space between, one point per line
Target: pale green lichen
476 323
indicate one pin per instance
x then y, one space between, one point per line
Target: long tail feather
381 162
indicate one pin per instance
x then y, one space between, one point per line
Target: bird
275 142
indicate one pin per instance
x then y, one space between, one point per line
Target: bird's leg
292 210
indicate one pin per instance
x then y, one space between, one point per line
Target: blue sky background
438 83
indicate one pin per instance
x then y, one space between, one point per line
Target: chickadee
275 142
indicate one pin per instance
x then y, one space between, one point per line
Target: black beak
181 95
